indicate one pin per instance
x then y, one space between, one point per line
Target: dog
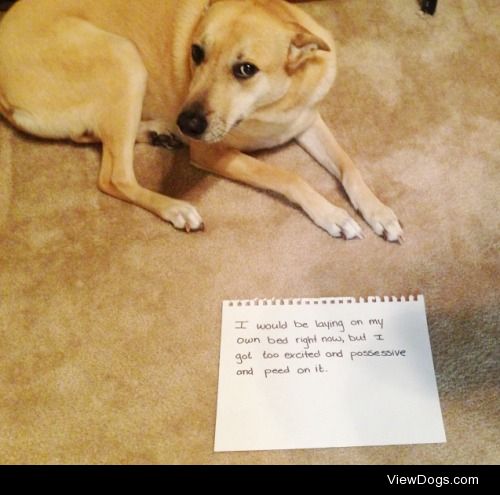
225 77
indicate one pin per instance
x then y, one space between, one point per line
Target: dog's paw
168 141
385 223
338 223
183 216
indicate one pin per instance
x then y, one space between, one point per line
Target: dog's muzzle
192 121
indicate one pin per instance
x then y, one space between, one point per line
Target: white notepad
330 372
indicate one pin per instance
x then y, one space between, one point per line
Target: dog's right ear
303 47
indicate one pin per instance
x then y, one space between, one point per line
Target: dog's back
42 46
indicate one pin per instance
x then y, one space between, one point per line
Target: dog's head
244 56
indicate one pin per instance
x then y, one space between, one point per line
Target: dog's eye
246 70
198 54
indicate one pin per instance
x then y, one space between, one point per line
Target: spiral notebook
329 372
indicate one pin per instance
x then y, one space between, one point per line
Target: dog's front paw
338 223
384 222
183 216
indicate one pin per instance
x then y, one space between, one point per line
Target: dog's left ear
303 47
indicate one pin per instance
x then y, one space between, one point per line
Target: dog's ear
303 47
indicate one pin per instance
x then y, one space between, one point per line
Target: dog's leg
243 168
117 128
319 142
117 176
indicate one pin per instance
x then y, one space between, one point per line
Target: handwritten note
315 373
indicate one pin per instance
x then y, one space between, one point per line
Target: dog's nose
192 122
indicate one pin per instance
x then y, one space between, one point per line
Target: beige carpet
110 319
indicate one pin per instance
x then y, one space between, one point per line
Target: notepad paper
330 372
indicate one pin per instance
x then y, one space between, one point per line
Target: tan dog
226 76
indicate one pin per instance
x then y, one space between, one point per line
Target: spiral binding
322 301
